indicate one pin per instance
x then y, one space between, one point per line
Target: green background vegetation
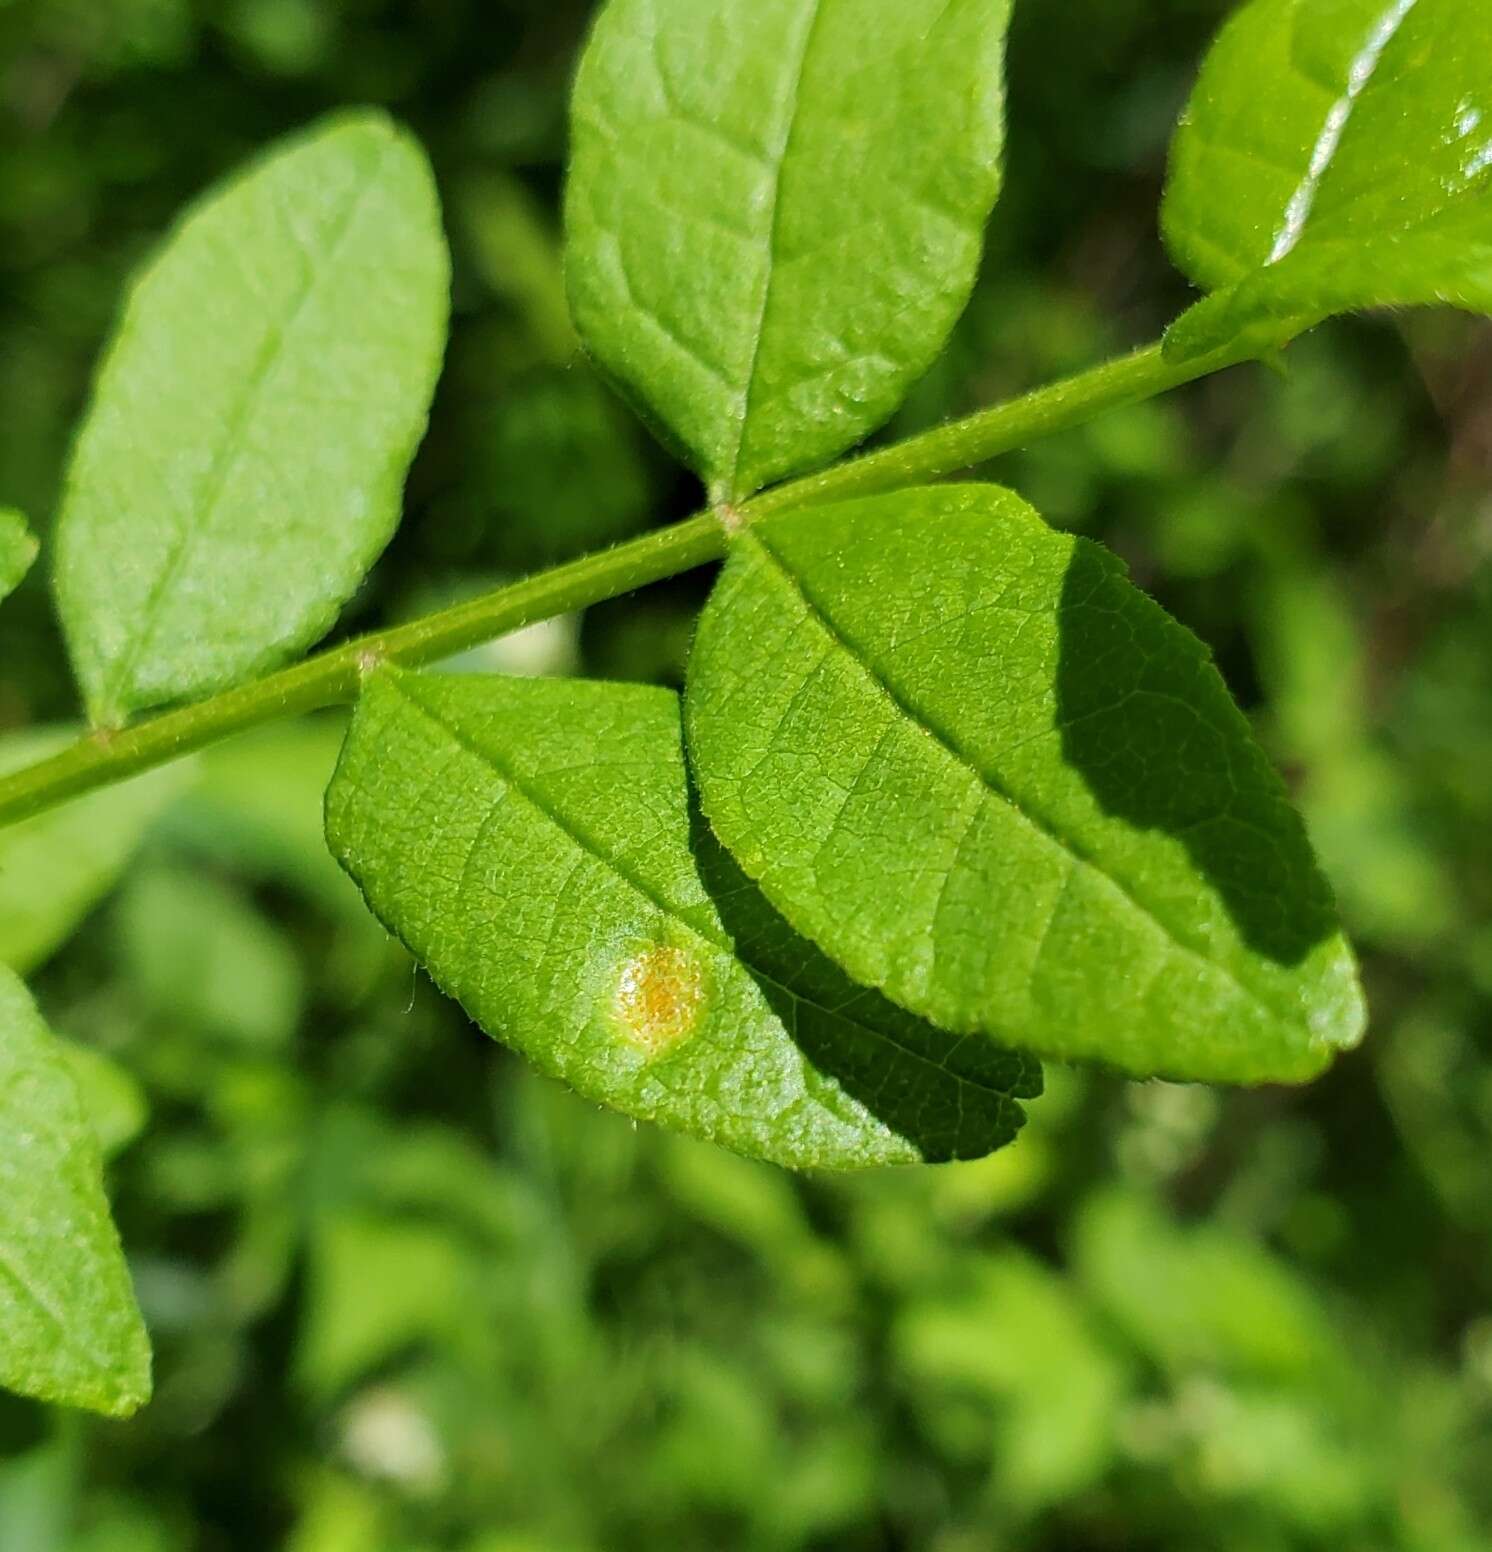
408 1297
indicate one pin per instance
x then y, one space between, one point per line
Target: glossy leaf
531 842
243 460
966 757
775 213
56 867
17 550
69 1328
1334 156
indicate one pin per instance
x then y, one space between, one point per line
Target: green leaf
242 464
17 550
531 842
967 758
69 1328
111 1096
1058 1386
775 213
56 867
256 811
199 957
427 1283
1334 157
1201 1297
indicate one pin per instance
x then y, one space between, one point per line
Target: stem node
334 676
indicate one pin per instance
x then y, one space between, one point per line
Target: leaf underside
69 1328
243 460
988 776
532 843
1334 157
775 213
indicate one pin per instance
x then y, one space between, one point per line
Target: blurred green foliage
408 1298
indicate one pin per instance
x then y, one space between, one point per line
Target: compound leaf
1334 157
775 213
962 754
243 460
17 550
531 842
69 1328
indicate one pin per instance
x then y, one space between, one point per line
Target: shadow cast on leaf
1148 724
949 1096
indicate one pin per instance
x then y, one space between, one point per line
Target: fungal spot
660 994
730 518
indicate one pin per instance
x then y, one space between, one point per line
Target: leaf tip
131 1389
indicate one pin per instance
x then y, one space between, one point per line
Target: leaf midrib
199 519
723 944
1335 127
773 234
946 741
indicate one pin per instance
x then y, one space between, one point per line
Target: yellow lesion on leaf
660 995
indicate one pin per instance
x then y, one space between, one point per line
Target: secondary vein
946 741
722 941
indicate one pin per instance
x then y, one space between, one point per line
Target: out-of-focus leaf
988 776
287 37
17 550
776 210
1436 1082
256 809
561 471
1202 1296
1358 801
377 1286
112 37
200 956
338 1515
243 460
56 867
112 1098
531 842
1333 157
38 1496
758 1209
519 258
1016 1337
69 1328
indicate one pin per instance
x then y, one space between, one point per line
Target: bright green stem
332 677
961 444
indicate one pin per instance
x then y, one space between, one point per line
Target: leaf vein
774 232
722 942
996 789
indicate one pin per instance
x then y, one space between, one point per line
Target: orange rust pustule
659 996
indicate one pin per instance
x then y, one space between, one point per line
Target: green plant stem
332 677
961 444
